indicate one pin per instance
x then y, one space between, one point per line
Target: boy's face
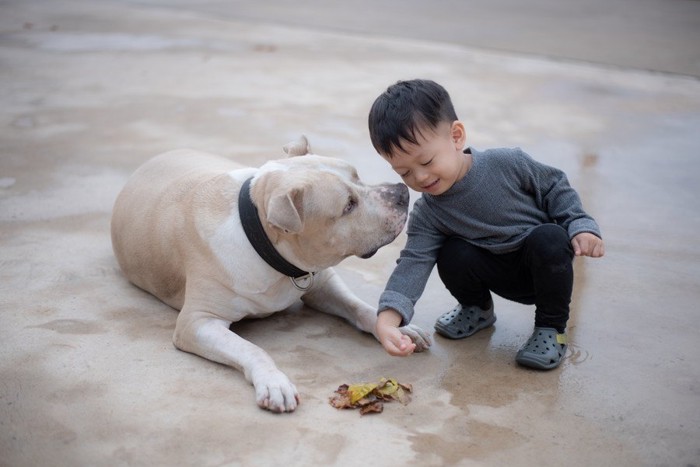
436 162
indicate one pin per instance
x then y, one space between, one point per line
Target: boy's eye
404 174
427 163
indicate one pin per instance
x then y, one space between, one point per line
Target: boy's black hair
399 113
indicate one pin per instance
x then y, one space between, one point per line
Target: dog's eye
350 206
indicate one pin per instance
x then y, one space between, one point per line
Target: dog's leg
330 295
202 334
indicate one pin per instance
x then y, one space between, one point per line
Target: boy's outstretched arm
587 244
387 331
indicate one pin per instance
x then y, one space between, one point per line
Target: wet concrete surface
89 375
655 35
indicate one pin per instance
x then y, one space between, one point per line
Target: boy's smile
436 162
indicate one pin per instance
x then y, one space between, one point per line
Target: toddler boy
493 221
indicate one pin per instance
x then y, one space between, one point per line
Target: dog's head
317 212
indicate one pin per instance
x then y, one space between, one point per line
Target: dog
222 242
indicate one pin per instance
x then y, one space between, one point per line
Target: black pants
540 273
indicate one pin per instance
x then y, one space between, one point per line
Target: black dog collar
256 235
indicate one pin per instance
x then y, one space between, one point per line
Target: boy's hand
587 244
387 331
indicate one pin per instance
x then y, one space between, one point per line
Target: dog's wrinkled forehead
313 163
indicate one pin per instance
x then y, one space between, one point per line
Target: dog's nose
395 195
401 191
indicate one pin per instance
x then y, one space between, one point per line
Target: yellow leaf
387 387
359 391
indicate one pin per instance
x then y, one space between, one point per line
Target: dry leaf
370 397
359 391
374 407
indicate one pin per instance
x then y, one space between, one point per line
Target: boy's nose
420 174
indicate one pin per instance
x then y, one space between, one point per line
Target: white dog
177 232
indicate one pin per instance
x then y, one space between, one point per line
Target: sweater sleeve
555 196
413 268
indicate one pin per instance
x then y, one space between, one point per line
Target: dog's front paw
419 337
275 392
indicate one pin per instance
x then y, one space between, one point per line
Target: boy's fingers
400 348
407 344
584 247
599 250
404 353
577 248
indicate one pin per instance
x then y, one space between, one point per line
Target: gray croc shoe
462 321
544 350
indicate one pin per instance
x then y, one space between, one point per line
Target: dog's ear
285 210
299 147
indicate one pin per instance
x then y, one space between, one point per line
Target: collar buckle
303 283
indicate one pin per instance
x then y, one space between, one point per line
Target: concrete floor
655 35
89 376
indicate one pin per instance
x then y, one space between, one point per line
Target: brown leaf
369 397
374 407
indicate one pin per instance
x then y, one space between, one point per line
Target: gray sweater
499 201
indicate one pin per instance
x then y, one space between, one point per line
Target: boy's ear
459 134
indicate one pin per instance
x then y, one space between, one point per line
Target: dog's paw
274 392
419 337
